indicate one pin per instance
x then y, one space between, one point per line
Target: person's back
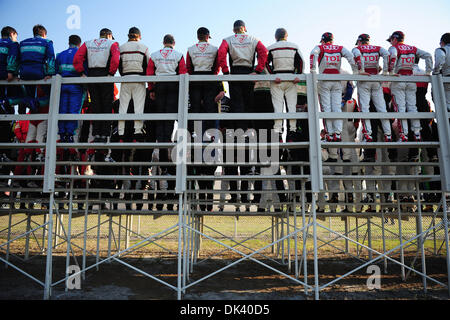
9 53
71 94
37 56
134 58
102 57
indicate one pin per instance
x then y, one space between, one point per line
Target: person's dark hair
74 40
203 33
39 30
446 38
169 39
237 25
105 32
280 33
6 31
134 33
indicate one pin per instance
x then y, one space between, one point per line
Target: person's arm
58 64
151 72
79 58
189 66
181 66
385 55
222 57
12 64
269 62
428 60
439 60
261 51
115 59
359 62
313 58
50 59
392 59
299 62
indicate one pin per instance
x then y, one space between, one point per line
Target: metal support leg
27 238
49 262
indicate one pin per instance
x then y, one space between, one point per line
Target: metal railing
188 223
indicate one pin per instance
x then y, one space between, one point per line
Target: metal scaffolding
298 223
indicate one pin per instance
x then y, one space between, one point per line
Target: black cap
327 37
203 32
400 36
238 24
362 37
134 30
105 32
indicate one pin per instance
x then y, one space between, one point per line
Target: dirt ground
245 281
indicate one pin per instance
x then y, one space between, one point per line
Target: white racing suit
402 60
367 58
442 65
329 58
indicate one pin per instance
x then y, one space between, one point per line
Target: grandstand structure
297 230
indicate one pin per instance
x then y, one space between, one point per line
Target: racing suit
134 57
367 58
329 58
37 61
201 59
442 65
401 61
71 94
102 57
241 49
9 55
166 62
284 57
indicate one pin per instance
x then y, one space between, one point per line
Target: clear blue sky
422 21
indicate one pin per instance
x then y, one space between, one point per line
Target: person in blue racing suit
71 94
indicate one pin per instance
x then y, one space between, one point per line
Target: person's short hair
238 24
134 33
169 39
105 32
74 40
446 38
203 33
280 33
39 30
6 31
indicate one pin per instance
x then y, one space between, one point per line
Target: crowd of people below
34 59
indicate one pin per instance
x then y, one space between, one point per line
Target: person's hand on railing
363 73
152 95
277 80
10 77
296 80
47 78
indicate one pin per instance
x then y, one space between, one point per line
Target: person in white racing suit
329 58
401 62
367 58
